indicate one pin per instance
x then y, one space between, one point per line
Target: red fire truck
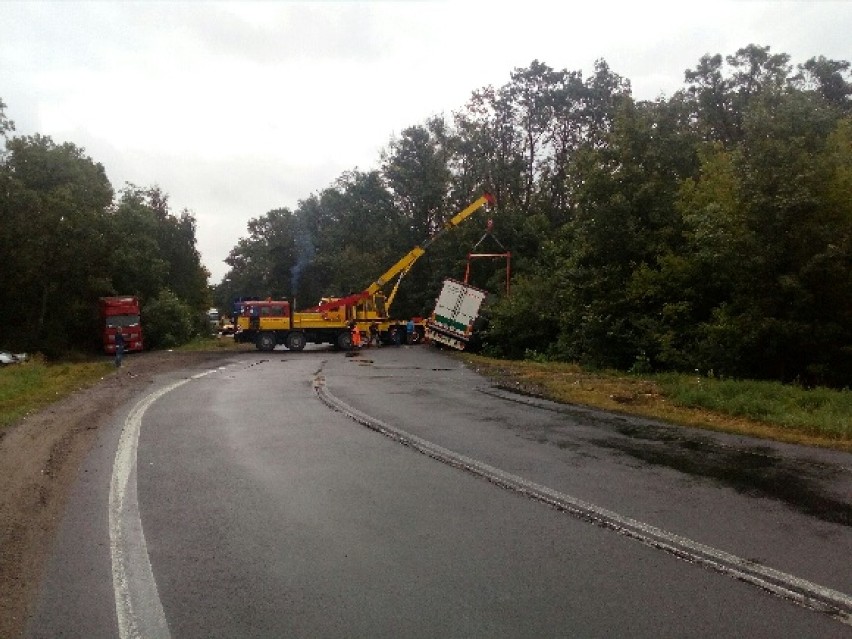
120 314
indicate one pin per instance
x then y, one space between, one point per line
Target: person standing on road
119 347
356 334
409 332
374 334
394 336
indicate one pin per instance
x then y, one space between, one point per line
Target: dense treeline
67 239
711 230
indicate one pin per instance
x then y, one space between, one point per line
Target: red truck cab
121 314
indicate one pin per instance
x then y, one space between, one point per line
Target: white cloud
237 108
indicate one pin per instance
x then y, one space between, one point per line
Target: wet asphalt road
268 514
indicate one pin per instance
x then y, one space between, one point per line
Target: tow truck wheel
296 341
416 337
266 342
344 341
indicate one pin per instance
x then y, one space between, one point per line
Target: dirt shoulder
39 459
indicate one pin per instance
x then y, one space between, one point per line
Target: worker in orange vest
356 334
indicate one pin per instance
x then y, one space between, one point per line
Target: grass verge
27 387
769 410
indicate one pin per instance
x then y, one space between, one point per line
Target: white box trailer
456 310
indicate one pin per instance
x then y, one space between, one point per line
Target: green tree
177 262
6 125
168 321
625 219
137 265
764 276
529 321
261 263
719 100
66 242
153 250
829 78
530 96
709 230
53 242
415 168
335 243
565 137
708 93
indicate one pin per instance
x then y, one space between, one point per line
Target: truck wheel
266 342
344 341
296 341
416 336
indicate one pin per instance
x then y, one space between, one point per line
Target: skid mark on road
800 591
137 602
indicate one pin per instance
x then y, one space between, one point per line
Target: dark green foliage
526 321
51 240
65 242
707 232
827 79
6 125
168 321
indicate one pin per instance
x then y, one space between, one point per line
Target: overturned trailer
456 311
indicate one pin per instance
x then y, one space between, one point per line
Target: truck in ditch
456 311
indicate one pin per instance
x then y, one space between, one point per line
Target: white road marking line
805 593
137 602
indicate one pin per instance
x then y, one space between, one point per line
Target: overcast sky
234 109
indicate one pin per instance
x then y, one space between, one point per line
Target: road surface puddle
755 471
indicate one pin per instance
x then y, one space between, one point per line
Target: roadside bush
168 321
526 322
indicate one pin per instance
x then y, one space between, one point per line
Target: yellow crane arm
462 215
407 261
402 265
405 264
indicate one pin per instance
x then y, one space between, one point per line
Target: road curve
267 513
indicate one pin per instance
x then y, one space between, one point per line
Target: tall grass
818 411
34 384
769 410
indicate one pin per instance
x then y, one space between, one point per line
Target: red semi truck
120 314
